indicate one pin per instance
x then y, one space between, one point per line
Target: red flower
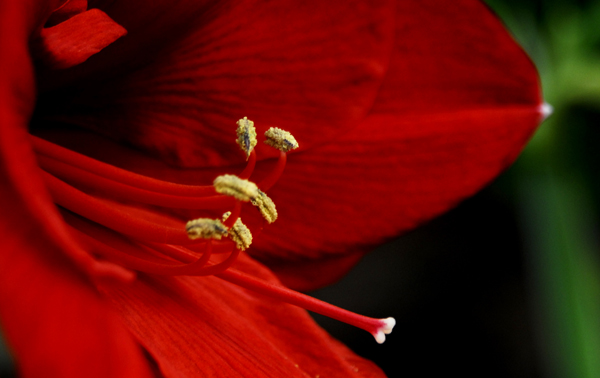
401 109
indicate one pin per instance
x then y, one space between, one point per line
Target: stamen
281 139
229 221
129 193
272 178
247 172
179 252
234 186
284 142
116 248
72 158
205 228
266 206
239 233
246 133
152 242
196 268
113 250
114 216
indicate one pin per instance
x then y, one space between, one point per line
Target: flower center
118 228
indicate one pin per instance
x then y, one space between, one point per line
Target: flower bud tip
545 110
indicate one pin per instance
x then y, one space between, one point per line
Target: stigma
129 227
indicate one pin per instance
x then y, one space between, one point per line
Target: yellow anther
234 186
205 228
246 135
280 139
266 206
239 233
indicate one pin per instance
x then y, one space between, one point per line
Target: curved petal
208 327
53 319
459 102
73 41
312 67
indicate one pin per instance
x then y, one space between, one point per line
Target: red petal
208 327
54 321
311 67
459 102
73 41
454 55
52 318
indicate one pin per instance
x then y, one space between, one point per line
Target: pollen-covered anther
266 206
387 325
205 228
236 187
246 136
239 233
281 139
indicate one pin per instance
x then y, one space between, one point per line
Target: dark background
458 290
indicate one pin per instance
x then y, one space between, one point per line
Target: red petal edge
73 41
458 104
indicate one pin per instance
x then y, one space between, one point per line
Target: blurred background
508 283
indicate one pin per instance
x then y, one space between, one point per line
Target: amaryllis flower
116 117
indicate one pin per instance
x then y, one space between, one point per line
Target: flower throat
125 238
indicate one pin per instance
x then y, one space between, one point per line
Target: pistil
376 327
151 241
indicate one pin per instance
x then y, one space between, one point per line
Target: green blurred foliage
556 185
